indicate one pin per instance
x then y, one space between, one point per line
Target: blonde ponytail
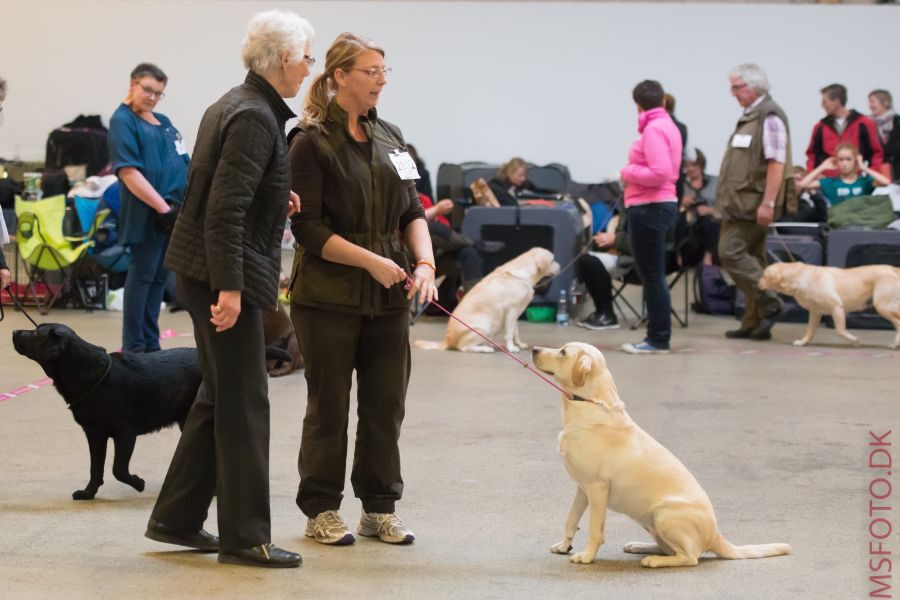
342 54
320 93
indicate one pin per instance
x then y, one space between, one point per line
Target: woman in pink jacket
649 178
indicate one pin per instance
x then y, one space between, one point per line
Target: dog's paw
137 483
653 562
561 548
799 343
84 494
582 558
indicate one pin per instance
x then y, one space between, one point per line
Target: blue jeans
144 286
648 227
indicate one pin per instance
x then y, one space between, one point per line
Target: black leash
19 306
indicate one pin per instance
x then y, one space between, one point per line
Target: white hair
753 76
271 33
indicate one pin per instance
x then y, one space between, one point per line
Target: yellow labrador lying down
494 305
836 292
617 465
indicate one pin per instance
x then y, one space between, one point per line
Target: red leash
409 283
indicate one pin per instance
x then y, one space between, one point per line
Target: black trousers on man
224 447
334 345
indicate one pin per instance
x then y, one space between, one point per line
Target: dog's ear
583 365
53 344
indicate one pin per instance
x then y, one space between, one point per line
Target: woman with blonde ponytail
361 214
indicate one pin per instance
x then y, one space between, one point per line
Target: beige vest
742 177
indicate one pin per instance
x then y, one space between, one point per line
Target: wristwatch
769 204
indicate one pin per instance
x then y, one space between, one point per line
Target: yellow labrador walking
836 292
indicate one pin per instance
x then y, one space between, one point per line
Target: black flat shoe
763 331
267 555
739 334
200 540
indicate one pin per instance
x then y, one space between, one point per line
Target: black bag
81 142
712 294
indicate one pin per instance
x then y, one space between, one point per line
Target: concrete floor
776 435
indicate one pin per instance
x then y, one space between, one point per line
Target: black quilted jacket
231 223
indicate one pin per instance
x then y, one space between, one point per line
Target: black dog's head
48 344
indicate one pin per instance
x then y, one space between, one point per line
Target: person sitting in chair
598 268
855 178
511 181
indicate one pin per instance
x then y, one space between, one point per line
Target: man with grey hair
755 185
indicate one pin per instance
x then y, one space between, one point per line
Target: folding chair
44 247
630 277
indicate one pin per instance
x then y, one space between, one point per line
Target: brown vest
742 177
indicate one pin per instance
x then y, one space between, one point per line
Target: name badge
405 165
741 140
179 147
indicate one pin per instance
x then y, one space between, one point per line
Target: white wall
550 81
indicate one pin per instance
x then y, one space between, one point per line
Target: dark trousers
597 281
742 252
143 294
378 349
648 226
224 447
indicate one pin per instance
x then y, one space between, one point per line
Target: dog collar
577 398
97 384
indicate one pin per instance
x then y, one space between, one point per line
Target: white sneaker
329 528
387 527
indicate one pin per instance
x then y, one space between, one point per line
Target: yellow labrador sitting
494 305
619 466
836 292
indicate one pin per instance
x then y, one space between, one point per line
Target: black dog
120 395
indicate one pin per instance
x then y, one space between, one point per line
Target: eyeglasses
309 59
151 92
736 88
374 72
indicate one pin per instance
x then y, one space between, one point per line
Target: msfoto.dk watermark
881 515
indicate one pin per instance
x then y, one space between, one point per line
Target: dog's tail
279 354
428 345
725 549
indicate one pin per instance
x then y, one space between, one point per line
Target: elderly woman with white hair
225 252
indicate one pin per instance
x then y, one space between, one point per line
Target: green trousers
742 252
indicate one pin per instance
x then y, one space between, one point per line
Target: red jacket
859 130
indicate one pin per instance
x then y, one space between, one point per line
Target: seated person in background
812 207
510 181
849 183
597 270
696 224
454 255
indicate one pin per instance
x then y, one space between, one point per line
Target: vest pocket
322 281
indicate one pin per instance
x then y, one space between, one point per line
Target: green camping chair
44 247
